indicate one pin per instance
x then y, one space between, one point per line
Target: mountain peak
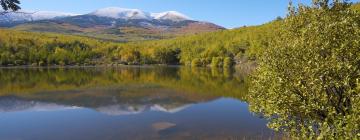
170 15
32 16
109 12
121 13
125 13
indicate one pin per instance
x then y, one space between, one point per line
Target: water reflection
126 103
13 104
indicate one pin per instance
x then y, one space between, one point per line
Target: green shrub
42 63
217 62
196 63
307 81
228 62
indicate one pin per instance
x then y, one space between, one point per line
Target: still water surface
126 103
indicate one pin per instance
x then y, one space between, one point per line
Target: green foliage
33 48
22 48
196 62
165 56
307 82
228 62
130 56
249 41
217 62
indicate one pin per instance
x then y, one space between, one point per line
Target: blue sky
227 13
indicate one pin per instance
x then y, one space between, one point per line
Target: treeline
24 48
216 49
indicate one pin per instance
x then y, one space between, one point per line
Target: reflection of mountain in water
107 101
127 110
13 104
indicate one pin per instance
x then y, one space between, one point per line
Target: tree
217 62
131 56
307 82
228 62
10 5
166 55
279 18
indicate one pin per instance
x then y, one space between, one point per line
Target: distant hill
117 24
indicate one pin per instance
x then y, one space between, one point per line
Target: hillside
121 33
27 48
238 44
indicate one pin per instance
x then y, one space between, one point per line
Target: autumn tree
307 82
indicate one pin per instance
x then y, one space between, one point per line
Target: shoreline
86 66
247 66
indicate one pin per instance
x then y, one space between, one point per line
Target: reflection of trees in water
122 90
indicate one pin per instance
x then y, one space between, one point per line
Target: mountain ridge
111 12
112 23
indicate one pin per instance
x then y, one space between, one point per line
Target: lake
126 103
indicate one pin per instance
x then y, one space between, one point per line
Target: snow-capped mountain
121 109
109 23
121 13
116 13
12 104
32 16
170 15
41 15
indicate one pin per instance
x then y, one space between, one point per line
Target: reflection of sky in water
220 118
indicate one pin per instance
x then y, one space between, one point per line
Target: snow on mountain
41 15
111 12
13 17
118 110
121 13
170 15
13 104
18 105
32 16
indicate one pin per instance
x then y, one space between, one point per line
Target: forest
217 49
